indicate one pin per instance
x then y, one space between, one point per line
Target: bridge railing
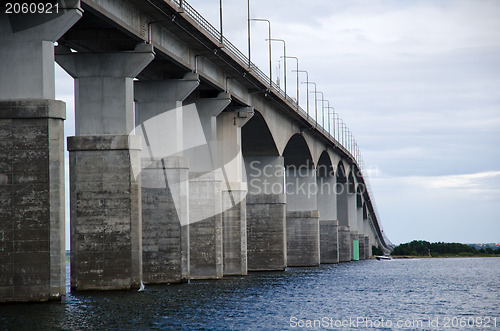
346 142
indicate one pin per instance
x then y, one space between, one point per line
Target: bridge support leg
366 240
329 245
361 247
234 190
205 199
164 178
105 189
328 224
32 245
302 218
266 213
345 244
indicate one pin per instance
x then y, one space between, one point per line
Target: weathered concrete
165 213
165 233
105 164
205 235
329 246
234 189
302 217
106 231
266 232
205 197
32 247
32 252
345 244
362 247
302 238
368 248
234 216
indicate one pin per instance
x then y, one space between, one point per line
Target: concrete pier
205 197
345 244
327 207
105 164
329 241
361 246
32 252
302 217
164 176
266 215
234 189
32 206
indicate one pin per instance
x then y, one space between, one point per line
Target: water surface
380 293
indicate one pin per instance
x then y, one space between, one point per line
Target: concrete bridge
187 163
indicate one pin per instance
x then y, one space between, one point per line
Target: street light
296 58
284 54
248 30
220 17
338 126
307 86
269 39
322 106
329 121
328 102
315 101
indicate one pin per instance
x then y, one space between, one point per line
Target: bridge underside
184 165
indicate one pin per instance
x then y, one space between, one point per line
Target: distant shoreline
440 256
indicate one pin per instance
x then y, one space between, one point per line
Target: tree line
421 248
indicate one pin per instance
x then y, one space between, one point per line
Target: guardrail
348 145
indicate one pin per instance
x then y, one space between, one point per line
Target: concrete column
105 163
359 218
266 234
205 197
362 247
234 189
164 178
368 249
302 217
32 245
328 223
345 244
329 245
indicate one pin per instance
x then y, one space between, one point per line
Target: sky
418 84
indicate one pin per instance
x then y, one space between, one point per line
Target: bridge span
187 162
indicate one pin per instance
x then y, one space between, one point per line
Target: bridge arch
257 138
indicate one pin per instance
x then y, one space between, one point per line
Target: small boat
383 257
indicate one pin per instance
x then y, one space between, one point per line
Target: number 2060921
31 8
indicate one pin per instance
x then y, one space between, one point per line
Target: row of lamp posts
340 131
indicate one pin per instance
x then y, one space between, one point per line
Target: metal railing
348 145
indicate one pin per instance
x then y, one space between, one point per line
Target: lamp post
322 106
329 121
270 48
248 30
338 126
220 17
284 55
315 101
328 103
307 87
296 58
